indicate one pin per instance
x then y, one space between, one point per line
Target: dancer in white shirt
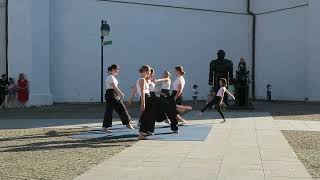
113 101
218 99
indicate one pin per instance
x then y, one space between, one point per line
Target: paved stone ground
306 145
279 110
249 146
32 154
269 143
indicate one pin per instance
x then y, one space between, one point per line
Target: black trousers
216 100
165 95
179 99
166 92
147 118
113 102
154 108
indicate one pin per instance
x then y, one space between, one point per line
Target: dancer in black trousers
113 101
218 99
178 87
164 93
151 106
165 97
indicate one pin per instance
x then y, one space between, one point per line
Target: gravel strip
50 154
296 116
306 145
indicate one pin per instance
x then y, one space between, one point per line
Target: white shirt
109 80
195 92
152 86
145 88
219 93
166 85
179 80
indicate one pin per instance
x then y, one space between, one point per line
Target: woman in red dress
23 90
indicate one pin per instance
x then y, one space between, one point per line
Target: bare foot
141 137
129 126
181 120
167 121
176 132
184 109
106 130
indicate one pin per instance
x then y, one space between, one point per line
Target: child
12 91
218 99
195 94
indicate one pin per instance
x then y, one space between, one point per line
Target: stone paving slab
248 146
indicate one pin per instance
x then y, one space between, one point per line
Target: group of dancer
155 106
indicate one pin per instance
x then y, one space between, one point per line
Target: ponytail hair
112 67
180 70
152 71
167 73
144 68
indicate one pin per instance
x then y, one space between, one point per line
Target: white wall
262 6
313 65
161 37
238 6
28 47
281 54
2 37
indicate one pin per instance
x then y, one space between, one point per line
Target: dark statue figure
242 84
220 68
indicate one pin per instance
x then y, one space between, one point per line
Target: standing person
195 94
147 118
178 87
12 92
218 99
3 89
23 90
113 101
164 93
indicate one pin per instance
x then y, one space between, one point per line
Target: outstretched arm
230 94
161 80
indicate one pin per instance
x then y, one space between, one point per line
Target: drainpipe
7 63
253 49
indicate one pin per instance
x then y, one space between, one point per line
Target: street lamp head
105 28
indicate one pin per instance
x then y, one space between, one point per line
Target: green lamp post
104 30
